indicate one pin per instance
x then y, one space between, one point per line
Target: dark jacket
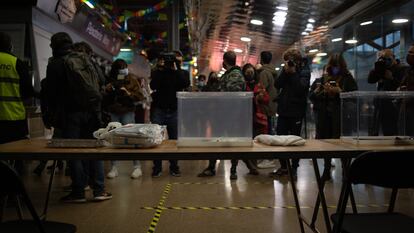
328 108
387 84
293 89
166 83
267 77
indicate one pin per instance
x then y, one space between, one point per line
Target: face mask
123 71
335 71
410 60
201 84
249 77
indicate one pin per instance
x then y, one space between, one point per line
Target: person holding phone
324 94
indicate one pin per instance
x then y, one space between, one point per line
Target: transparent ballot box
378 117
215 119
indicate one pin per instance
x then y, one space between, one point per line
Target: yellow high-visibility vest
11 104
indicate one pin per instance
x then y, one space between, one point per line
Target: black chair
11 185
385 169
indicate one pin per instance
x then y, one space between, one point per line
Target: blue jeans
81 125
166 117
127 118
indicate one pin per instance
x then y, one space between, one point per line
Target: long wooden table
36 149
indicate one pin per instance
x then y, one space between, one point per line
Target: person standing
15 86
324 95
293 84
166 81
74 99
122 92
387 74
232 80
407 84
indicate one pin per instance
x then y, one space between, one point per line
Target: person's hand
125 90
109 87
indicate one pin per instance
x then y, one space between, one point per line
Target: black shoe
38 170
103 196
279 172
254 172
72 198
156 173
233 176
175 172
207 172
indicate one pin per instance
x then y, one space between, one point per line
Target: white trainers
137 172
267 164
112 173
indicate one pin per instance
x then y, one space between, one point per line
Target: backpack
82 82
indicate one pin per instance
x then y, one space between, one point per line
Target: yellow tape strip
158 209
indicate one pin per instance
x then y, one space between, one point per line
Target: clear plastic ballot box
383 117
215 119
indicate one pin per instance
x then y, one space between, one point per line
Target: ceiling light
309 25
282 8
256 22
308 29
280 14
195 65
246 3
238 50
125 50
283 64
336 39
351 41
397 21
311 20
279 21
366 23
277 68
89 4
245 39
313 50
305 33
321 54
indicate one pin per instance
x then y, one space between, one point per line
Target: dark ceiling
216 26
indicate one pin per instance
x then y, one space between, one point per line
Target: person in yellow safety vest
15 85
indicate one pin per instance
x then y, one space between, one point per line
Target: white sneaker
137 172
112 173
267 164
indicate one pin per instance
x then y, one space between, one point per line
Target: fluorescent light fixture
309 25
283 64
308 29
305 33
245 39
246 3
366 23
313 50
282 8
280 14
125 50
256 22
277 68
336 39
311 20
321 54
351 41
238 50
89 4
397 21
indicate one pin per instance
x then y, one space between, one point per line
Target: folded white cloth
280 140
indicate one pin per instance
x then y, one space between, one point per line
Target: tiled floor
126 212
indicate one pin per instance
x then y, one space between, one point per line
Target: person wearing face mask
201 82
324 94
122 92
407 84
387 75
231 81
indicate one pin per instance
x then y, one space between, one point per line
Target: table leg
295 195
321 195
49 189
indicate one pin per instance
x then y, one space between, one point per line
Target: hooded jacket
267 77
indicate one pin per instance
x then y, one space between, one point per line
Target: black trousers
289 126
